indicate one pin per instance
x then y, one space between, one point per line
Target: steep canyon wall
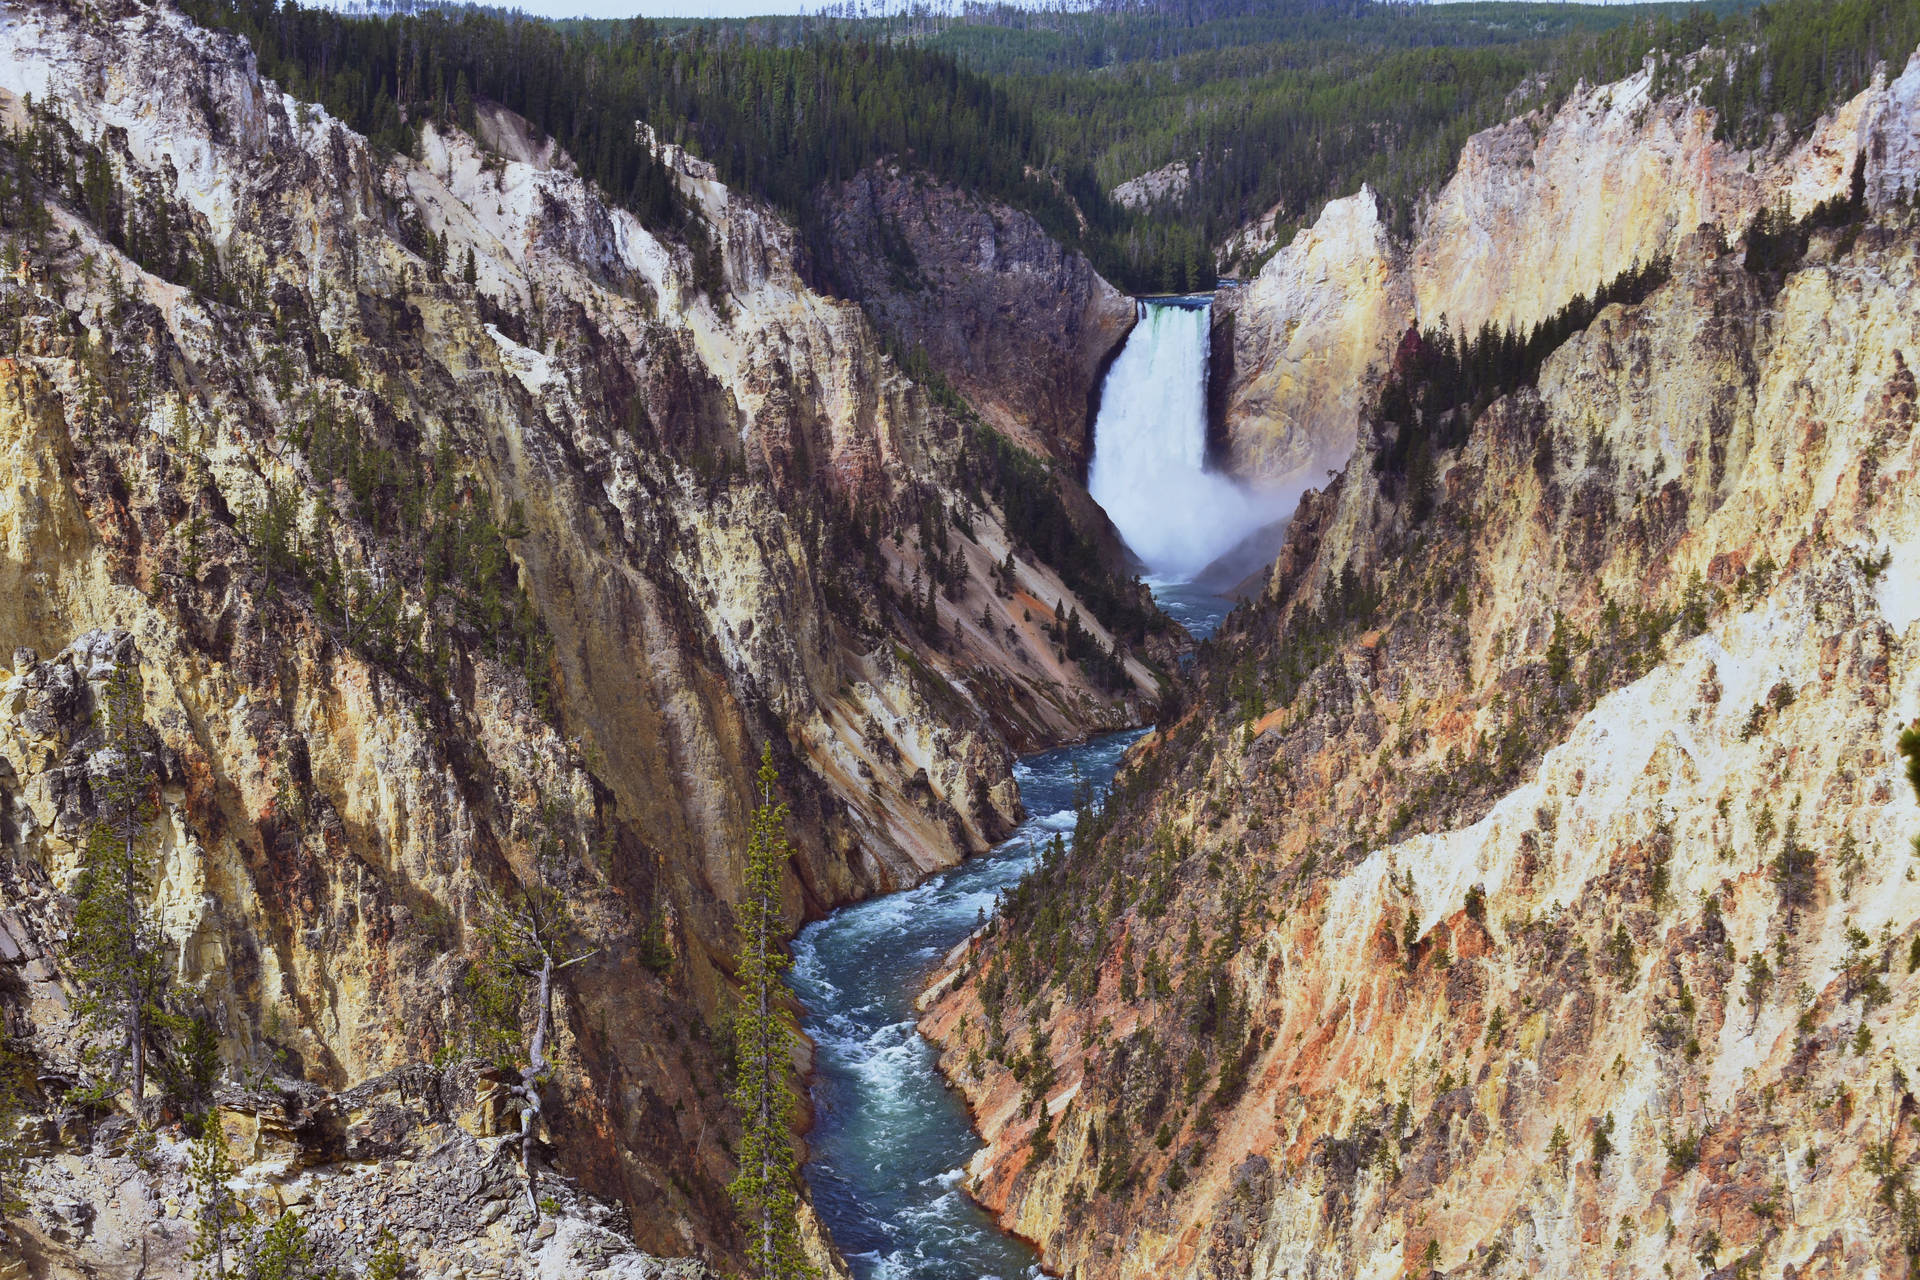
460 541
1530 888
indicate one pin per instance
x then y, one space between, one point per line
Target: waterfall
1149 469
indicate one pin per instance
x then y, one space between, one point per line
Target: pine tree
387 1262
1910 748
463 103
1793 871
765 1190
220 1220
281 1252
14 1077
116 952
190 1072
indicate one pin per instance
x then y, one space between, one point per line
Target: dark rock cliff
1022 327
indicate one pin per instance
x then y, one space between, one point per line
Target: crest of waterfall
1149 469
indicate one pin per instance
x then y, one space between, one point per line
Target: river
890 1140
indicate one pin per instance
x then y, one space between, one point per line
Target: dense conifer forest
1275 105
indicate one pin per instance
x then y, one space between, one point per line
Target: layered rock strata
1539 210
1532 891
459 541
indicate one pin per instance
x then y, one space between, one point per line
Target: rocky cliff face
1297 345
459 540
1170 181
1531 890
1539 209
1023 328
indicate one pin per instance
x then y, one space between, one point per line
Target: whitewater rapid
1149 470
890 1142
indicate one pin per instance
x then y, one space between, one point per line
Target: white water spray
1150 450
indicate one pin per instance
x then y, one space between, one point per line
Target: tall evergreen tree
116 952
765 1191
14 1077
1910 748
220 1219
282 1252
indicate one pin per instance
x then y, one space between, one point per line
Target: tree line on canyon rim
1275 107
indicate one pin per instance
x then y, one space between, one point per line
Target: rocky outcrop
1022 327
1300 342
1538 210
1533 893
419 1161
1170 181
461 541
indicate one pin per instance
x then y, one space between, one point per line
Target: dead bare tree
529 940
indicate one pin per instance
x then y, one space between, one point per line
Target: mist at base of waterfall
1184 522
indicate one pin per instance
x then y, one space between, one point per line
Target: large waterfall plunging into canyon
1149 469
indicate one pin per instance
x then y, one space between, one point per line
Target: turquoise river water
890 1141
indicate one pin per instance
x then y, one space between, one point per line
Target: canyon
1527 886
1520 881
689 524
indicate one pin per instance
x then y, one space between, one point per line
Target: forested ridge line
1276 107
782 121
1281 127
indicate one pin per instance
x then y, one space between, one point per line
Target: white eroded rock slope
1538 210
